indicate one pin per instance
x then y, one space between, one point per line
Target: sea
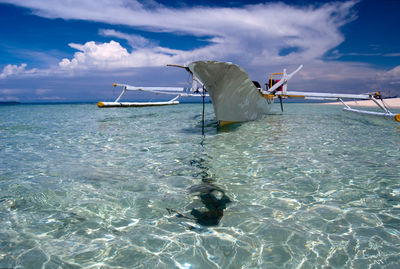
84 187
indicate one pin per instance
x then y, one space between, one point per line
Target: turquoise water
314 187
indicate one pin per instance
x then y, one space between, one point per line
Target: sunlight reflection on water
80 186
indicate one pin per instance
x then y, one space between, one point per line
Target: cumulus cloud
257 37
92 56
12 69
251 34
111 55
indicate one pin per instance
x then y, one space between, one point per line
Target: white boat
236 98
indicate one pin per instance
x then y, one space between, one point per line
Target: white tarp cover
233 94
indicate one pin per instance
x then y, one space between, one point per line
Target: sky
66 51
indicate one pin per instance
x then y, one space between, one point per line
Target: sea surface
83 187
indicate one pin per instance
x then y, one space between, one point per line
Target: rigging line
388 107
202 114
378 96
384 103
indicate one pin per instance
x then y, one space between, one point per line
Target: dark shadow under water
211 196
214 200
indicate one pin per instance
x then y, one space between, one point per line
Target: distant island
9 103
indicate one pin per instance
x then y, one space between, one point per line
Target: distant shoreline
391 102
9 103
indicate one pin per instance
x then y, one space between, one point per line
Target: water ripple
84 187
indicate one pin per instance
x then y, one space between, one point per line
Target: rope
202 114
384 103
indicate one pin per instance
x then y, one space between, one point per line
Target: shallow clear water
88 187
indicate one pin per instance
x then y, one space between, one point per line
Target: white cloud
8 94
111 55
50 98
12 69
9 91
42 91
392 77
9 98
135 41
363 54
253 36
392 55
395 72
95 56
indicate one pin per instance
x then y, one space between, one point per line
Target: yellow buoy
100 104
397 117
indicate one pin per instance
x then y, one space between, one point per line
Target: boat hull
234 96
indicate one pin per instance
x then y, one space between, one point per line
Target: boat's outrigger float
195 91
376 97
236 98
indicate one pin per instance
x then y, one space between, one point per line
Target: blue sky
74 50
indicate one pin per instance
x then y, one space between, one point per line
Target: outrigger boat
236 98
195 91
